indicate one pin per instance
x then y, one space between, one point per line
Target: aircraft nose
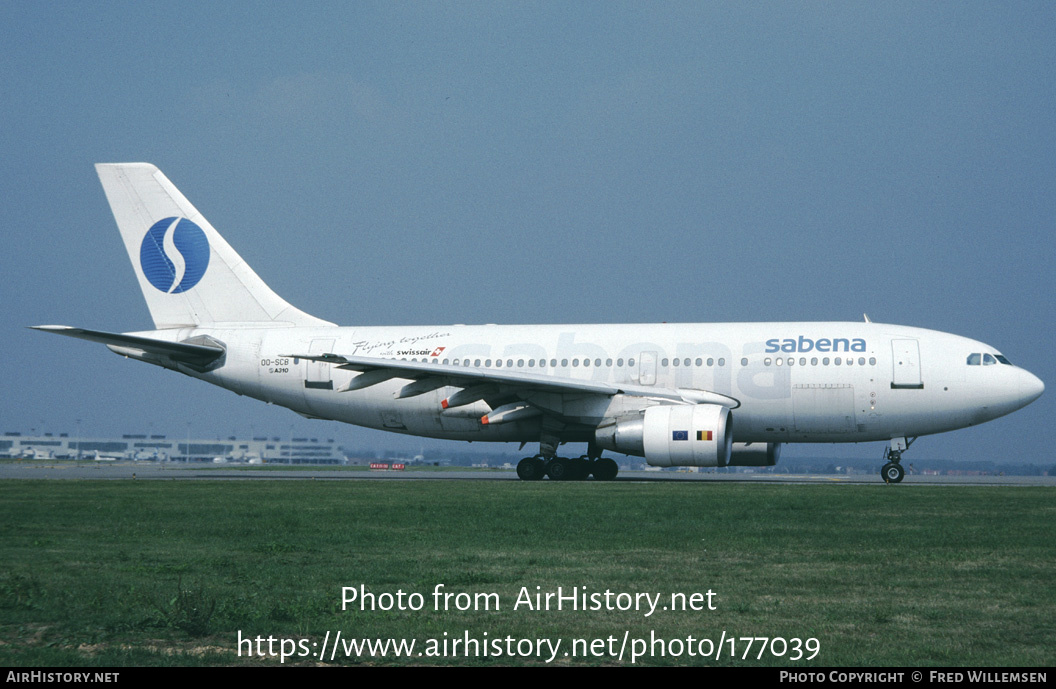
1032 387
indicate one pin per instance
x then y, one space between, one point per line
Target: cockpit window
984 359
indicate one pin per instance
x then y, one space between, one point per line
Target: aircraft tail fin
188 274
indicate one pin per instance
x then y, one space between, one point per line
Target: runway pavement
70 470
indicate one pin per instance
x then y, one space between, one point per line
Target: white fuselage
721 394
795 382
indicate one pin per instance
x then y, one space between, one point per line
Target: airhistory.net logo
174 255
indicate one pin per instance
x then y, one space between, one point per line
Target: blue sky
413 163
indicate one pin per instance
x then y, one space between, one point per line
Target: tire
605 469
559 469
892 473
580 469
529 469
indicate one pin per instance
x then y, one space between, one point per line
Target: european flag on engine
679 435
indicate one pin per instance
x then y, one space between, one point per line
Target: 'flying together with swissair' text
706 395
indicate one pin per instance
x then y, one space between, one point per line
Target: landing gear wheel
892 473
530 469
605 469
580 469
559 469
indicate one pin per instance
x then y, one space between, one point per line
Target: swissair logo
438 351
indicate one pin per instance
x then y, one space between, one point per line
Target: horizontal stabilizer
198 356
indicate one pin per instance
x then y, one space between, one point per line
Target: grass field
155 573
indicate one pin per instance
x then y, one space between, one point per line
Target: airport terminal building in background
159 448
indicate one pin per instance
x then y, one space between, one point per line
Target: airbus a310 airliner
705 395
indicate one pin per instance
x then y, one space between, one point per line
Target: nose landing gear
892 471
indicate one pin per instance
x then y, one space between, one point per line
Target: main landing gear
565 469
892 471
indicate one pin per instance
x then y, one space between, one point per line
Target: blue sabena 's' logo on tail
174 255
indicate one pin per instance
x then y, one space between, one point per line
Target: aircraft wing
496 384
198 355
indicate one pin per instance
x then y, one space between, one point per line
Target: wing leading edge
496 386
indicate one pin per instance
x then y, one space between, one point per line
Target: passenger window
597 362
630 362
608 362
520 363
674 362
973 359
766 361
711 362
699 362
722 362
744 362
476 362
619 362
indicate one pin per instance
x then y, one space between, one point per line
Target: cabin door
905 361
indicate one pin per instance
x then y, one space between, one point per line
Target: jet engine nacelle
673 435
755 454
